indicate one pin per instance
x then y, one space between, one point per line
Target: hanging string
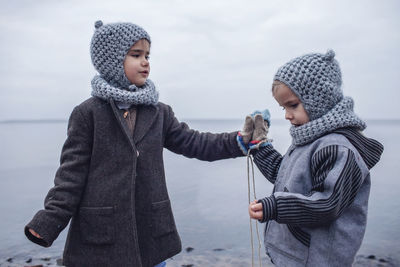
250 163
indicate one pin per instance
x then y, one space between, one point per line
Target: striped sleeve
269 208
336 179
321 164
268 161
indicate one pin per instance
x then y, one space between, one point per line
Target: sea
209 199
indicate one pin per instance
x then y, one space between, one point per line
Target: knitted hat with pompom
316 79
109 46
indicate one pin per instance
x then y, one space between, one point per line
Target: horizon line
58 120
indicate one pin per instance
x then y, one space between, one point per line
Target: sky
209 59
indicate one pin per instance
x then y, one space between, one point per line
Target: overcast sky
209 59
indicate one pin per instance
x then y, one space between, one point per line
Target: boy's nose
288 115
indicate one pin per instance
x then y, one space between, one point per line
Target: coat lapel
145 117
122 123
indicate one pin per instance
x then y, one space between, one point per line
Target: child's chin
140 84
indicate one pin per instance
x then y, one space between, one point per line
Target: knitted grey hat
109 46
316 79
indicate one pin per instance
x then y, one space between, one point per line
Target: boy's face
295 112
136 63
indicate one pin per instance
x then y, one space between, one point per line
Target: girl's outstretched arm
181 139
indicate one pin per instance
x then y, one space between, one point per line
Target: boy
317 213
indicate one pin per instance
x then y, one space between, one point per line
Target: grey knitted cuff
269 208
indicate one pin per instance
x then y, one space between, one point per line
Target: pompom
98 24
329 55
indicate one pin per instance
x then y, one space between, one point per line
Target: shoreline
189 257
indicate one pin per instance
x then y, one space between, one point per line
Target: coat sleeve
181 139
336 179
63 199
268 161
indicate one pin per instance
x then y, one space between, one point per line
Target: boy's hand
266 116
255 210
34 233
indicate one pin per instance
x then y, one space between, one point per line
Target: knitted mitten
260 128
262 122
255 129
244 136
248 129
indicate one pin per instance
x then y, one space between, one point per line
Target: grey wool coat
112 185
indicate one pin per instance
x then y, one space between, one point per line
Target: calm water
209 199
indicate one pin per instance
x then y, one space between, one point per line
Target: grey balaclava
109 46
316 79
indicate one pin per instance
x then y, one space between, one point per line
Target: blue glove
265 114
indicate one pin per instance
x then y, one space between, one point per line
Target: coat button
137 153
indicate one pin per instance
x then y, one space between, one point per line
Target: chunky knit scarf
341 115
134 95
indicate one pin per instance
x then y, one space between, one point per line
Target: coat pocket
282 246
97 225
162 218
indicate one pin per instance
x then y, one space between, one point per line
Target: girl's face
136 63
295 112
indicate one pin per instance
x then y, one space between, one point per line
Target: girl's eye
294 105
135 55
147 57
283 108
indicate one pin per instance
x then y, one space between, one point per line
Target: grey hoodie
317 213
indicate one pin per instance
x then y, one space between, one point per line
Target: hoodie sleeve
62 200
336 179
268 161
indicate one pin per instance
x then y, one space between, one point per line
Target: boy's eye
294 105
147 57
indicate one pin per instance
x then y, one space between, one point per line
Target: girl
111 178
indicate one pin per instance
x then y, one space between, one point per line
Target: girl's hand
34 233
255 210
248 129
